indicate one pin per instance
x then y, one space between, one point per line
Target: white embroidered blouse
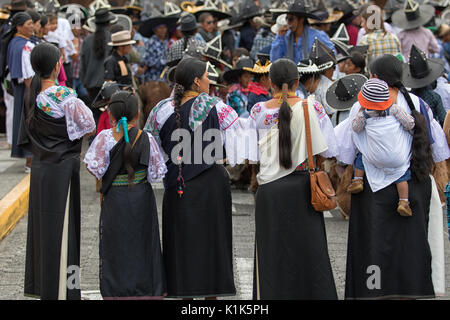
97 157
58 102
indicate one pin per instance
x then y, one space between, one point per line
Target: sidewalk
14 188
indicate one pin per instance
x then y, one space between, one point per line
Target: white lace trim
97 157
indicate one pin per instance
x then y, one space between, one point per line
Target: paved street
12 248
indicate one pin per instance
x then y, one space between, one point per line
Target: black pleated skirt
131 264
197 237
16 151
49 204
388 255
291 258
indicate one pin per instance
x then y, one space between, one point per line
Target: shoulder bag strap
308 136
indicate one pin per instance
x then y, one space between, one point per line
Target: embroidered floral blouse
234 129
97 157
58 102
261 119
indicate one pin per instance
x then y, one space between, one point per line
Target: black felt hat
421 71
232 75
299 8
343 93
413 15
156 18
320 54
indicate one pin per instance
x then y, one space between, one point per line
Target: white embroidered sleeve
97 156
156 167
239 135
79 119
327 130
343 133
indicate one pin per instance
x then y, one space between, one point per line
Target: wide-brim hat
280 22
412 16
421 71
104 16
343 93
121 38
321 55
213 50
331 18
297 8
147 25
249 10
4 15
306 66
259 68
342 49
232 75
188 22
121 19
105 93
210 7
229 24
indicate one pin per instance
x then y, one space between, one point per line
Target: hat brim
220 15
436 70
332 18
333 101
278 12
380 106
399 18
118 44
147 26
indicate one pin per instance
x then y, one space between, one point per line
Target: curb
14 206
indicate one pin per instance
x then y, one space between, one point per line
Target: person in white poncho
377 121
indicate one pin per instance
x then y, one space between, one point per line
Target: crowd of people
366 85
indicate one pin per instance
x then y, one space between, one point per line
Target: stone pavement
12 248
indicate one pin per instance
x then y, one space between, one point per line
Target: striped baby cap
374 95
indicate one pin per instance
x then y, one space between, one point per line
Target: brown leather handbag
323 196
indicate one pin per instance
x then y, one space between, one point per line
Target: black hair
284 76
186 36
35 16
187 70
44 20
358 59
44 58
389 69
238 52
100 40
125 104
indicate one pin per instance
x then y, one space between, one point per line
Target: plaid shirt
434 101
176 50
155 58
261 42
381 43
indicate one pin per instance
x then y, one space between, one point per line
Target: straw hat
121 38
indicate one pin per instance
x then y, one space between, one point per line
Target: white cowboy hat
121 38
281 22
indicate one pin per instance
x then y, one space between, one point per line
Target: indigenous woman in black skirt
52 129
127 160
291 253
197 228
388 256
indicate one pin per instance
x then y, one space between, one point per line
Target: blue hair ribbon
123 122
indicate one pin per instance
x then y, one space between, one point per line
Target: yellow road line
14 206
